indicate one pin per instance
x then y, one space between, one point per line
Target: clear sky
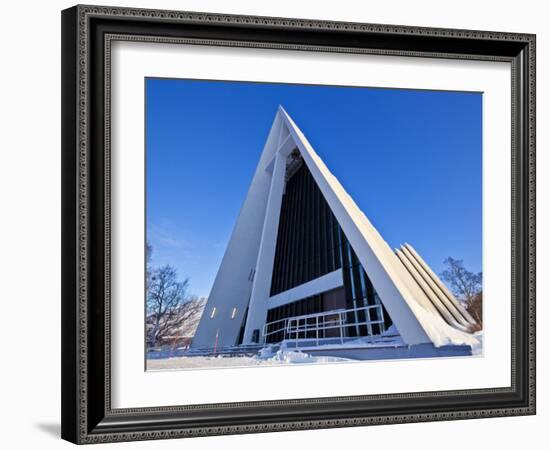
410 159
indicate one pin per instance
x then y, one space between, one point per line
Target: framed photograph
279 224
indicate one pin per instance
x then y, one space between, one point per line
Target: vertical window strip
298 237
303 226
310 242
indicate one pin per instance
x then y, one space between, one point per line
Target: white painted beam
261 287
327 282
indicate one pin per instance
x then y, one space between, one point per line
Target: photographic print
303 224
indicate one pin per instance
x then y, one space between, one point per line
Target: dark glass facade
310 244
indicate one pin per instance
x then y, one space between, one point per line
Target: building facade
304 263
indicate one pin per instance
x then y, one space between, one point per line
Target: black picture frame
87 416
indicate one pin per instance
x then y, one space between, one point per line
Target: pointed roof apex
285 115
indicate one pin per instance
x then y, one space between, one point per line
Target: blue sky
410 159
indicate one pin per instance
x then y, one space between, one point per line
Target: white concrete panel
232 285
324 283
257 309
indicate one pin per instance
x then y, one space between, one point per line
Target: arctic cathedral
305 265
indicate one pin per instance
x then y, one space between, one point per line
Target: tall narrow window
233 313
213 313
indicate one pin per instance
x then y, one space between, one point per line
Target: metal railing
314 327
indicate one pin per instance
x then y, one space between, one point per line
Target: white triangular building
305 263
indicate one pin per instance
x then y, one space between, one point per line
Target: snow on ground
440 332
266 358
198 362
477 349
389 338
286 355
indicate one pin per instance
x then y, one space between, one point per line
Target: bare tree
187 321
148 269
466 285
165 296
148 253
475 307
